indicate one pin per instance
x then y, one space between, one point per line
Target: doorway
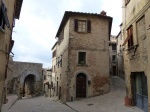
81 86
140 91
114 68
29 85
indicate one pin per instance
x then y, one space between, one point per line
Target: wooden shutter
4 10
76 25
89 26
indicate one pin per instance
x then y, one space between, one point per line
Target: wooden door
81 86
141 91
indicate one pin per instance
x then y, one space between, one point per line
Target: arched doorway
29 85
81 85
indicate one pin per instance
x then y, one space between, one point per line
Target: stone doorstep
11 100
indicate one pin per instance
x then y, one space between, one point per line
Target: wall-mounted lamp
89 82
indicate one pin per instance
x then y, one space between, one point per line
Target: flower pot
128 101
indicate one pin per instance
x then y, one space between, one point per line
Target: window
113 46
82 58
61 37
3 17
54 53
82 26
54 69
114 58
130 36
44 77
127 1
59 61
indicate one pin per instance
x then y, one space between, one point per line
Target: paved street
39 104
111 102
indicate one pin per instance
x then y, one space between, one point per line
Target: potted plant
128 100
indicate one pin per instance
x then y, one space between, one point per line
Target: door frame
85 85
133 89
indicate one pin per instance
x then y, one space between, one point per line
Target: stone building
24 79
80 64
120 49
113 55
136 34
54 64
47 79
9 11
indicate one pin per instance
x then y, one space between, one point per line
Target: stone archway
29 85
81 85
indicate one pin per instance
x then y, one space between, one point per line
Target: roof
67 14
18 8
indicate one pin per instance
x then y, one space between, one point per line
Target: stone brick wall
20 71
95 44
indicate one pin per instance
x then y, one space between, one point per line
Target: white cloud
39 21
114 10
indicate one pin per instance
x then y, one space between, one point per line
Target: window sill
2 30
114 61
82 65
81 32
132 47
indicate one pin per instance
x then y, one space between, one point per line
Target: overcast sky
35 31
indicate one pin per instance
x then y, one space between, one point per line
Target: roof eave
68 13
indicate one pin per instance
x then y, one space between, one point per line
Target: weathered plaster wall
137 14
4 46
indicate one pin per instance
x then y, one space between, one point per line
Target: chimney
103 13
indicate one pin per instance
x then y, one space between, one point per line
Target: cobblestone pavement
39 104
111 102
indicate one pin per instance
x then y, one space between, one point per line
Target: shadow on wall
29 86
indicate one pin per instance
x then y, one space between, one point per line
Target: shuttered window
3 17
54 53
82 26
130 35
129 38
